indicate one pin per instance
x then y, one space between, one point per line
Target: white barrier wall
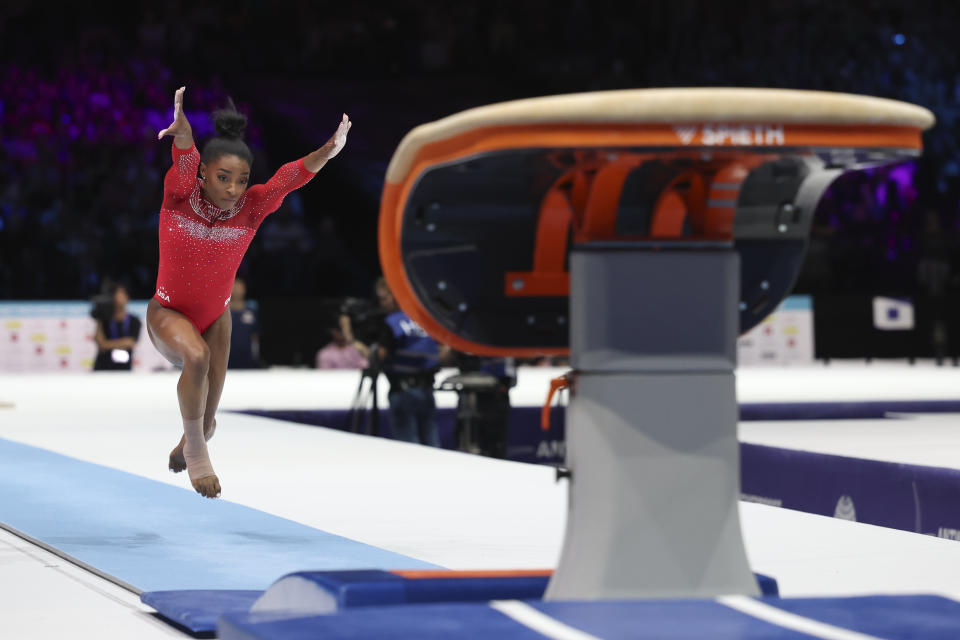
58 336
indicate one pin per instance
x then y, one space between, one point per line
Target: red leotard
201 245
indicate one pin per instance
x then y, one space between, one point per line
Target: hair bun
229 123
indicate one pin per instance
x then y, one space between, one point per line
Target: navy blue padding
527 442
358 588
842 410
380 588
198 610
657 620
768 585
419 622
424 590
529 417
155 536
908 497
889 617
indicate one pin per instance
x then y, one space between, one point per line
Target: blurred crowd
82 94
80 181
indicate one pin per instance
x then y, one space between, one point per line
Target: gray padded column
651 428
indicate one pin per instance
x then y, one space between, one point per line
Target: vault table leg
652 428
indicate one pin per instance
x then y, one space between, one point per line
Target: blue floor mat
198 611
153 536
889 617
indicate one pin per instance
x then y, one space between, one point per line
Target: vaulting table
639 232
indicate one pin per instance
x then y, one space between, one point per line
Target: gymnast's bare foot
177 463
208 487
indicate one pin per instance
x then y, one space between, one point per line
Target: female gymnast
207 221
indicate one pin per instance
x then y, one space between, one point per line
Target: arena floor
444 507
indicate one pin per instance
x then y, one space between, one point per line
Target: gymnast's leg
180 343
217 338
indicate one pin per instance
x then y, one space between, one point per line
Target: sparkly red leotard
201 245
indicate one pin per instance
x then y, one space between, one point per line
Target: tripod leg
354 418
375 409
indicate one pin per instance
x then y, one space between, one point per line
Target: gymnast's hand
179 128
315 161
338 139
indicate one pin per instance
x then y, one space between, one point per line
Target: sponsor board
784 337
59 336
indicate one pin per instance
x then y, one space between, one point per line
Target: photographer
117 331
410 359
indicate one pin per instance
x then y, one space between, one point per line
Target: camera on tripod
366 323
483 404
366 318
103 307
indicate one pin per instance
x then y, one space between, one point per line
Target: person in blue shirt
409 358
245 337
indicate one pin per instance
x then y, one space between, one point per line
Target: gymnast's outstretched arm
180 129
294 175
314 161
182 176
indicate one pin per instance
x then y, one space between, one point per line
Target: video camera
103 307
366 318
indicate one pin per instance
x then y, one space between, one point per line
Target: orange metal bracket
549 276
556 384
598 217
585 202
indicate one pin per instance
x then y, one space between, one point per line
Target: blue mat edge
179 606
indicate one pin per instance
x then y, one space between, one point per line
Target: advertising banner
59 336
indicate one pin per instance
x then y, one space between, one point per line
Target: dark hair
230 125
109 286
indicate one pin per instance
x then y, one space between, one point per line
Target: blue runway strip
154 536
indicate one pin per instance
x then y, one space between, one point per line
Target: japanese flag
892 314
